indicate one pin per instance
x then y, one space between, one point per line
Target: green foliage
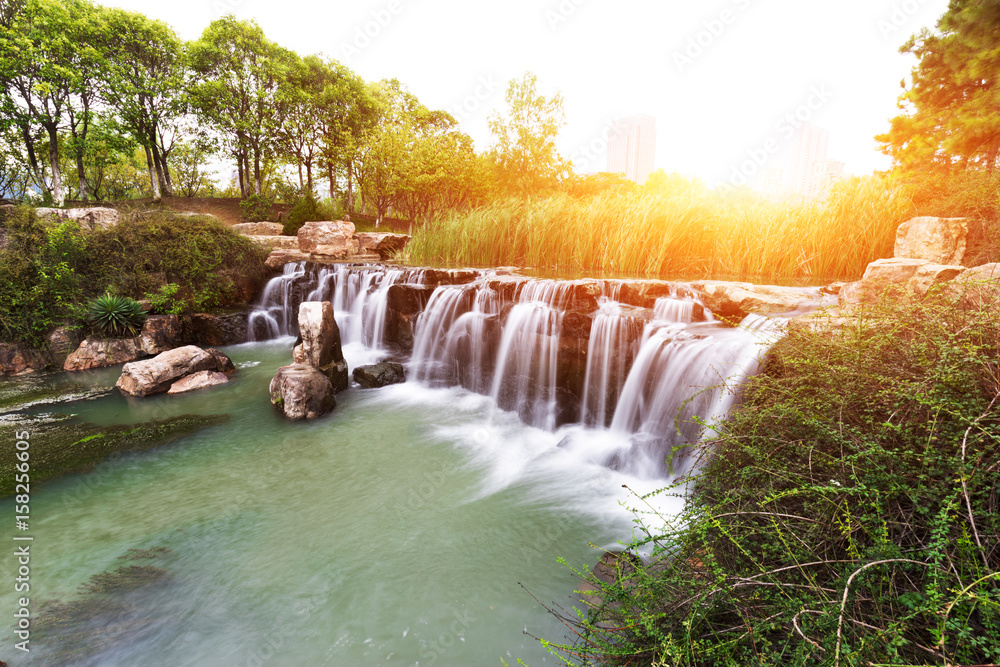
308 209
117 316
181 263
845 514
256 208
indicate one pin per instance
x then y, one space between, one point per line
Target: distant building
810 148
632 147
824 174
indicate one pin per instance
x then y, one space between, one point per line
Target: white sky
766 59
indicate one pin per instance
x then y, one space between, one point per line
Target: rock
223 364
103 353
301 391
61 341
881 277
92 218
381 244
154 376
408 299
380 375
930 275
194 214
18 359
328 239
276 242
338 375
737 300
937 240
212 330
260 229
320 334
978 287
278 258
299 355
161 333
199 380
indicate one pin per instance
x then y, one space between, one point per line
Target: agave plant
116 315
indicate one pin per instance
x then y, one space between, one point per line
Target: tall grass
688 231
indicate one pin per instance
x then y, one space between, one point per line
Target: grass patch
846 514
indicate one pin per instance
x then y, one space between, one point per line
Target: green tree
240 72
145 77
525 149
951 106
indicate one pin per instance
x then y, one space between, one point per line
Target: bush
256 208
117 316
308 209
845 514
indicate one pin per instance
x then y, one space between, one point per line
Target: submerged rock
301 391
380 375
154 376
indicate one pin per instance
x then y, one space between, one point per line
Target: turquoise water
395 531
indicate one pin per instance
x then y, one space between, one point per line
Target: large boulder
380 375
301 391
60 342
897 277
196 381
96 217
276 242
161 333
154 376
209 329
937 240
103 353
17 359
978 287
320 334
737 300
260 228
332 239
382 244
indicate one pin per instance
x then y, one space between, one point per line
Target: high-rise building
811 143
632 147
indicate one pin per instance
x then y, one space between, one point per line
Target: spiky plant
116 315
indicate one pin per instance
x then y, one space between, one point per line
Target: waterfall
649 378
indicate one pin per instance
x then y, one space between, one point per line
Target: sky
725 79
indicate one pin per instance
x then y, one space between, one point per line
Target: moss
66 446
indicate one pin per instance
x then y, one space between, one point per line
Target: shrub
308 209
117 316
256 208
845 514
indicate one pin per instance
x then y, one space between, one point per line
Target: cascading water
651 378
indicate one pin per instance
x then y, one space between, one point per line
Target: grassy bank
684 229
51 270
846 514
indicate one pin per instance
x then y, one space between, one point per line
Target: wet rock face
301 391
161 333
937 240
16 359
320 334
215 330
380 375
156 375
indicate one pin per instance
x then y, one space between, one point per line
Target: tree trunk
241 173
29 145
302 185
154 182
158 165
58 196
350 187
256 172
81 174
309 176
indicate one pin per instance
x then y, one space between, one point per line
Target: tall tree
44 60
951 108
146 76
524 151
240 72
